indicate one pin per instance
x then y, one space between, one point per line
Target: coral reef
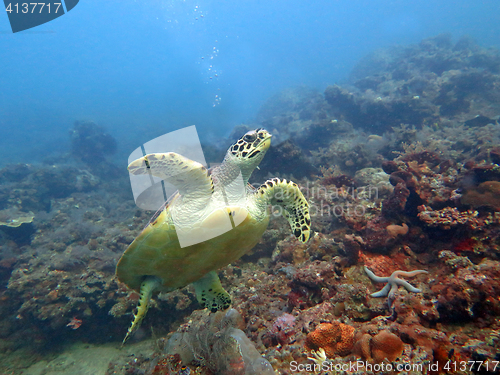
401 169
419 85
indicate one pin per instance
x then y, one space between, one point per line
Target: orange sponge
379 347
335 339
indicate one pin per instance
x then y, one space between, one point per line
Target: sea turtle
213 220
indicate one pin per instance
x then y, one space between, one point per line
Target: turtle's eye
250 137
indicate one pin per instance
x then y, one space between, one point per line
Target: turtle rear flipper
148 286
288 196
211 294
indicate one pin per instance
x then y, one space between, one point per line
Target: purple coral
283 328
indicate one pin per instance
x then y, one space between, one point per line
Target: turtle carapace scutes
213 220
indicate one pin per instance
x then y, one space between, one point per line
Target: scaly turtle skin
213 220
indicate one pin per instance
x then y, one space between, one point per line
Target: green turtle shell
157 251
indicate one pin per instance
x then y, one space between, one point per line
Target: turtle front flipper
287 195
148 286
210 293
189 177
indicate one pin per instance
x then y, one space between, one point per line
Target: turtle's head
249 150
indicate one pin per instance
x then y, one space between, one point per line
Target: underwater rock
420 84
283 328
319 134
254 363
382 112
371 176
218 345
350 301
394 205
39 184
380 235
90 143
338 180
487 194
290 113
479 120
285 158
312 284
470 293
480 173
495 155
17 224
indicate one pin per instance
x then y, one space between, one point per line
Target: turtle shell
157 251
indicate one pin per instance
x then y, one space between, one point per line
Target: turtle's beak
266 142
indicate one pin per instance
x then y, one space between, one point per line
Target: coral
33 191
377 235
428 339
347 155
283 328
386 263
17 225
351 301
394 205
454 261
472 292
397 230
361 347
319 358
335 338
448 217
478 173
487 194
14 218
386 345
352 246
337 179
312 284
383 346
371 176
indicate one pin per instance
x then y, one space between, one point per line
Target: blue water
143 68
